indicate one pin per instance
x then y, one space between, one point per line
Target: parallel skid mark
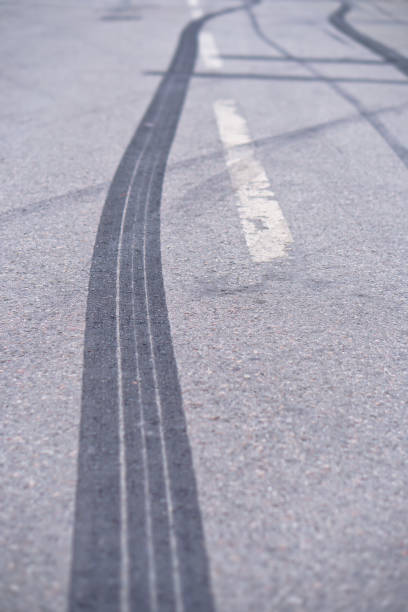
138 537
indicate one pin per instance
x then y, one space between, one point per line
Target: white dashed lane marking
265 228
208 48
196 10
209 52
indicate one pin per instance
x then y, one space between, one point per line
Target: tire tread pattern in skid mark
138 540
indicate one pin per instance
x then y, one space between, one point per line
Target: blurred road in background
204 314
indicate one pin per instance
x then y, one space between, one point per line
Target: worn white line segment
209 52
196 10
208 48
265 228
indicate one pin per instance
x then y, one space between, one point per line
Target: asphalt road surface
204 314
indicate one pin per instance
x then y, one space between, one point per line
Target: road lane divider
196 10
209 51
266 231
208 47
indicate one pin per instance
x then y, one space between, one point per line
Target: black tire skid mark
97 557
367 115
337 19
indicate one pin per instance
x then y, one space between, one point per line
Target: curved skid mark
337 19
369 116
138 538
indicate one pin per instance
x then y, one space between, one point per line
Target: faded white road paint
266 231
208 48
196 10
209 52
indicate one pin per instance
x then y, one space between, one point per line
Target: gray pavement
292 372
